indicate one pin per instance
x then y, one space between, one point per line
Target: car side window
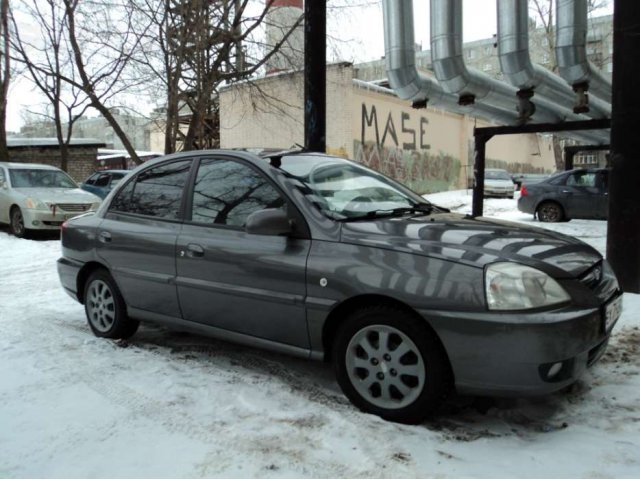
227 192
102 180
2 177
92 179
582 179
603 181
155 192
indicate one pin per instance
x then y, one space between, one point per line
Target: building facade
428 149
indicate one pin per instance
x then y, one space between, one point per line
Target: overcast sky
359 35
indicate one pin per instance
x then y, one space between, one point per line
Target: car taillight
64 226
523 191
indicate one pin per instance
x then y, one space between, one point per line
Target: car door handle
104 237
194 250
566 192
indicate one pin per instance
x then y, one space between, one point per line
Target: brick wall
82 159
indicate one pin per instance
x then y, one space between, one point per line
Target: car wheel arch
350 305
83 275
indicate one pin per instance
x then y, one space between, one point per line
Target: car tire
16 223
105 308
550 212
403 381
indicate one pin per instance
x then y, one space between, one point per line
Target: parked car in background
498 183
323 258
40 197
102 182
578 193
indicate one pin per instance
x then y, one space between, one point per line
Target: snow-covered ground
175 405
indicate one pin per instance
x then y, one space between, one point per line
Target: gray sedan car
323 258
580 193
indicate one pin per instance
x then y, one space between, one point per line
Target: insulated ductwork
516 65
571 52
408 83
470 85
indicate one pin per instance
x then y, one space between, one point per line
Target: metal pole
477 204
623 233
315 82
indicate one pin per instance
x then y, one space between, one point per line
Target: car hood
475 241
60 195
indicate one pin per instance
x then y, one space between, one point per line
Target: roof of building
52 142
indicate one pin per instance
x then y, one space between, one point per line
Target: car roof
34 166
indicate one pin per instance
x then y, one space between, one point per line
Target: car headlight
35 204
511 286
94 206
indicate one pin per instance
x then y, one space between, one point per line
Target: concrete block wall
82 160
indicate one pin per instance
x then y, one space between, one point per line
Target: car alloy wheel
17 223
390 363
100 306
550 212
105 308
385 367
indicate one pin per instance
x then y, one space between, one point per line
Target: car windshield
344 190
496 175
40 178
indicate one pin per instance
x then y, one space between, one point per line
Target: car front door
236 281
137 238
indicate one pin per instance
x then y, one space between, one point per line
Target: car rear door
580 196
236 281
137 238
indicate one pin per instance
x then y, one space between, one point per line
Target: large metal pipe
571 51
470 85
516 65
408 83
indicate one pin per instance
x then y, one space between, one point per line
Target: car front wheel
550 212
390 364
16 224
105 308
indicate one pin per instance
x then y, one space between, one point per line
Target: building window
609 67
471 54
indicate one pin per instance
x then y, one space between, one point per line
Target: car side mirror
270 221
4 185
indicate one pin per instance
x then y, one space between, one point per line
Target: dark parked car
579 193
102 182
320 257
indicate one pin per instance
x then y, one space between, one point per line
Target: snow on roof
52 142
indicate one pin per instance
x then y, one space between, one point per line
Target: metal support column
623 234
477 204
315 82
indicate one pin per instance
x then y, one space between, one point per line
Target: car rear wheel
16 225
105 308
390 364
550 212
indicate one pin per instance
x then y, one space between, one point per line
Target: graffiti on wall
397 145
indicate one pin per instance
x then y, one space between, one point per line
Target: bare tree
5 75
195 48
46 62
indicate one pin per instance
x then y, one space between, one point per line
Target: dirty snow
175 405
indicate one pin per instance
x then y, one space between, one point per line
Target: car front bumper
45 219
498 192
521 354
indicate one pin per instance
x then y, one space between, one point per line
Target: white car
40 197
498 183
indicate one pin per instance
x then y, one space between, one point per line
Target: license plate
612 312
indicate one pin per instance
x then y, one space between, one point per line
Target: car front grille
74 207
